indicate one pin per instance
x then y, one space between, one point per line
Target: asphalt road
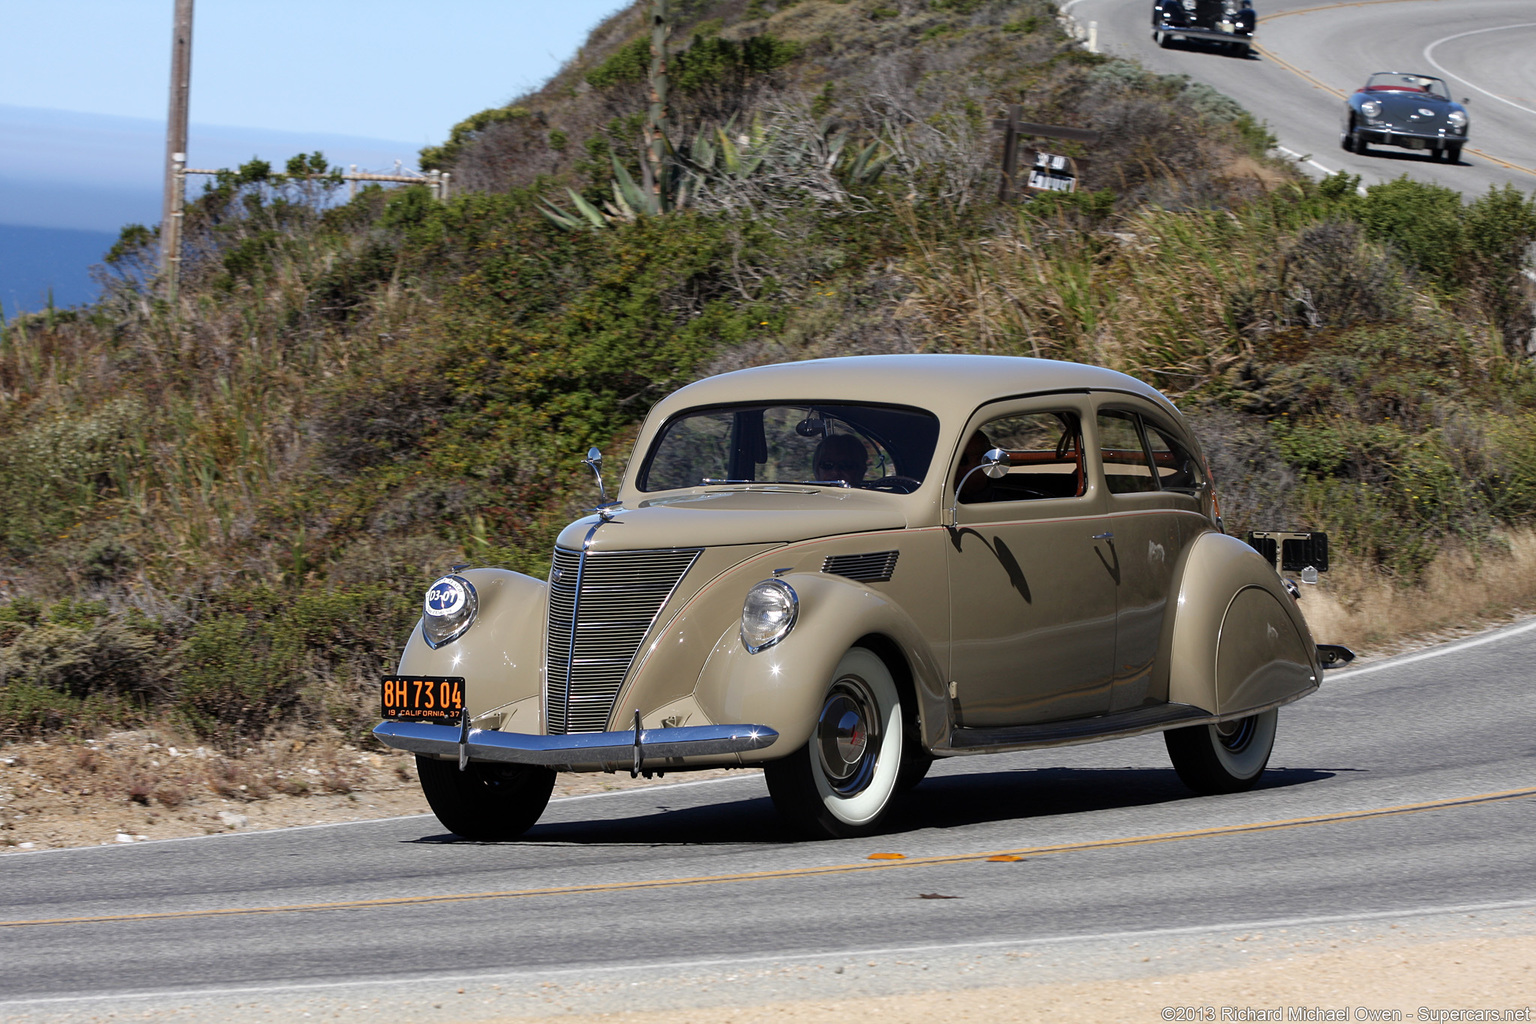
1310 55
1403 788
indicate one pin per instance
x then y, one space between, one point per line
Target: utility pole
656 122
176 147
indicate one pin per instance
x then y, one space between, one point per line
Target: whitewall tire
842 781
1227 757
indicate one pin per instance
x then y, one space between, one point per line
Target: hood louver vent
875 567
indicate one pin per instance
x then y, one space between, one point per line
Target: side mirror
994 464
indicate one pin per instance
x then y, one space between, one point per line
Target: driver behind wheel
841 458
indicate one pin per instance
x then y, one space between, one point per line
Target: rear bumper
653 748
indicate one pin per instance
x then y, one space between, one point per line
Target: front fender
501 656
1239 642
783 686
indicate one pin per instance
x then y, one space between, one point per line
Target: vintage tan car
842 569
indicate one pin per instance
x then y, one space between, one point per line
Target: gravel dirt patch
135 786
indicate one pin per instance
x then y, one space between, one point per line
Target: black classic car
1227 23
1407 110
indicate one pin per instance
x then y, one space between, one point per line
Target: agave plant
794 157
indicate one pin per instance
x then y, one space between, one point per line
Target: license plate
422 698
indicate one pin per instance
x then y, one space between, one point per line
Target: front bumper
1209 35
1383 136
641 749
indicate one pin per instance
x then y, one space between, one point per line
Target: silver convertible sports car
841 569
1407 110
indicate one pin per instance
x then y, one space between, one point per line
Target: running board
1054 734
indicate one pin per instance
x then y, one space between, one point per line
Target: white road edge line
1301 158
851 954
1408 659
1429 56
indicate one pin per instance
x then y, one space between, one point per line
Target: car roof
949 385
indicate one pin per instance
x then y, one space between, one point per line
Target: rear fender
783 686
501 656
1239 642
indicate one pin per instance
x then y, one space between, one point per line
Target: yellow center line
1293 69
1329 7
1021 853
1306 76
1502 163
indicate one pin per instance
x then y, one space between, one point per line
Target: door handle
1103 536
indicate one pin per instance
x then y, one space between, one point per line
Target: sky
85 85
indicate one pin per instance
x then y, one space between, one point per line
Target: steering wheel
898 484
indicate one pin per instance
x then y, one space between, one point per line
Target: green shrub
54 471
268 658
708 62
463 133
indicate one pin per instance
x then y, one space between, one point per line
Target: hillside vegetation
221 514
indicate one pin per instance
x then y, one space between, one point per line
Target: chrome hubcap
848 736
1235 735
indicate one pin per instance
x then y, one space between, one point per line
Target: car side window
1177 469
1045 458
1127 467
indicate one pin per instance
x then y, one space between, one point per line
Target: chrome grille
596 630
875 567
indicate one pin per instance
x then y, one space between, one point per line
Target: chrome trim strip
570 661
574 748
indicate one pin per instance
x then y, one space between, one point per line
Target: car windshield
1391 81
878 447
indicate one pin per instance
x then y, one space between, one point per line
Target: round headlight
448 610
1370 108
1457 118
768 614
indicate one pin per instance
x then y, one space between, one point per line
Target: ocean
36 262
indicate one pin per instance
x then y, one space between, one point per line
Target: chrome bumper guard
618 748
1209 35
1334 655
1394 136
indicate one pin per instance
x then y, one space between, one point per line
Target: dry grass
1047 290
1462 592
